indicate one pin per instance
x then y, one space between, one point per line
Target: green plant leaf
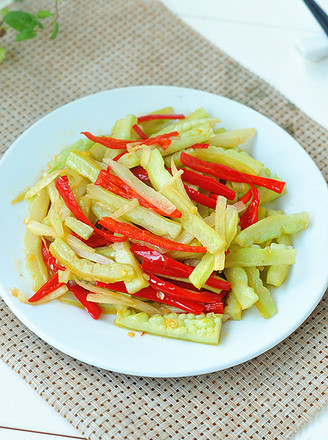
2 53
44 14
20 20
4 11
26 34
55 31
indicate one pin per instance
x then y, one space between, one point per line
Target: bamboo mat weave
114 43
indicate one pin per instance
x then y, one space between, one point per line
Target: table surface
261 36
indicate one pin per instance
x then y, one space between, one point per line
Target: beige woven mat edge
269 397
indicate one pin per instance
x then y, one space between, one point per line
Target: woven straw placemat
107 44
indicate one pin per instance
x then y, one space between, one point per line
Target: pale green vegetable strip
245 295
69 298
206 235
199 114
191 221
232 307
83 165
276 275
272 227
121 130
202 271
255 256
220 211
141 216
97 152
85 205
60 159
233 138
56 222
123 127
191 137
231 223
266 195
238 160
265 304
124 255
107 251
83 230
261 213
34 260
185 125
38 228
145 191
219 130
88 270
201 328
150 127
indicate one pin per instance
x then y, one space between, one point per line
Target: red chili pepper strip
227 173
247 197
167 271
154 117
161 297
251 214
95 240
118 186
50 286
170 267
208 183
138 130
91 307
176 291
152 294
64 189
119 286
145 236
50 260
109 142
140 172
214 308
200 198
116 158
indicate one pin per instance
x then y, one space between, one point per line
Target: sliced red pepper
116 158
95 240
118 186
170 267
138 130
81 294
154 295
50 286
207 183
64 189
161 297
176 291
200 198
251 214
158 116
247 197
214 308
165 271
109 142
140 172
147 237
50 260
119 286
227 173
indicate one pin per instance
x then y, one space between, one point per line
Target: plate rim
48 338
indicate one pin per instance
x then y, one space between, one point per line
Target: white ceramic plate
102 344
